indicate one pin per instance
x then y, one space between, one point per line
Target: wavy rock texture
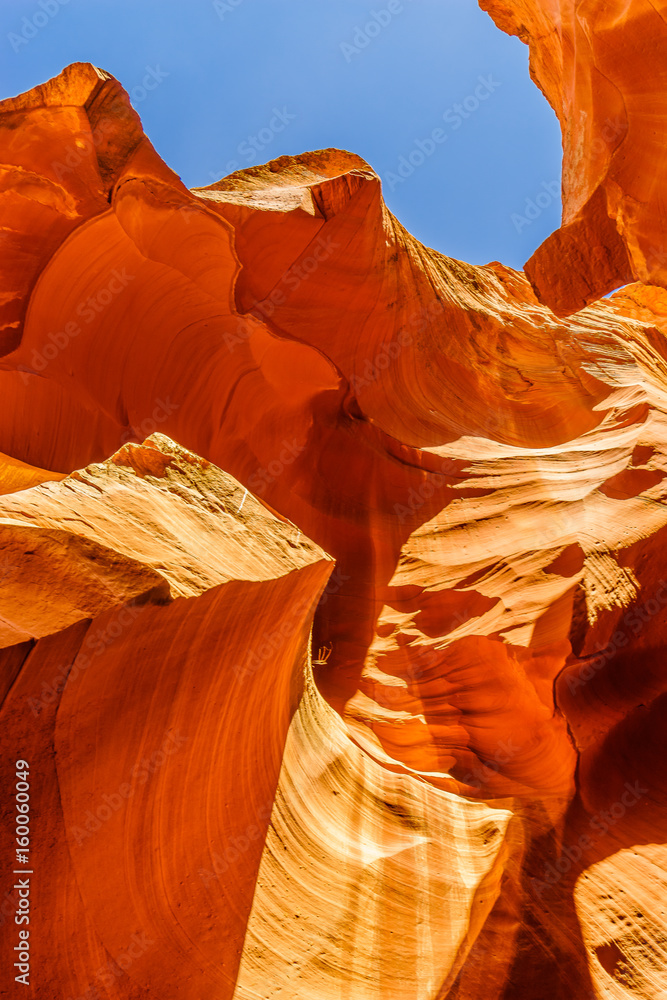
602 66
465 800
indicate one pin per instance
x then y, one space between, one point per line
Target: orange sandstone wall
465 799
603 69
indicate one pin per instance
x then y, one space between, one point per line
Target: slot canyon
333 597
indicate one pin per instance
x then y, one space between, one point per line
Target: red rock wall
602 67
465 799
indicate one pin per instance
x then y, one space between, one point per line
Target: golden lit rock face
465 799
602 67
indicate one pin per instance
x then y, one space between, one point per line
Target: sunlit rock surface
386 695
602 65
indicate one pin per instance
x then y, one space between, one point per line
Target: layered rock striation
602 68
429 474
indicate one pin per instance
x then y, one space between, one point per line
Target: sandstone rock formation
426 472
602 67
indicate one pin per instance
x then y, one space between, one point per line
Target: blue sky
237 82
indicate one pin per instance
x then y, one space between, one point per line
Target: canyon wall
332 587
602 67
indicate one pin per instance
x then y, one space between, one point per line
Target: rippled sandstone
465 799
